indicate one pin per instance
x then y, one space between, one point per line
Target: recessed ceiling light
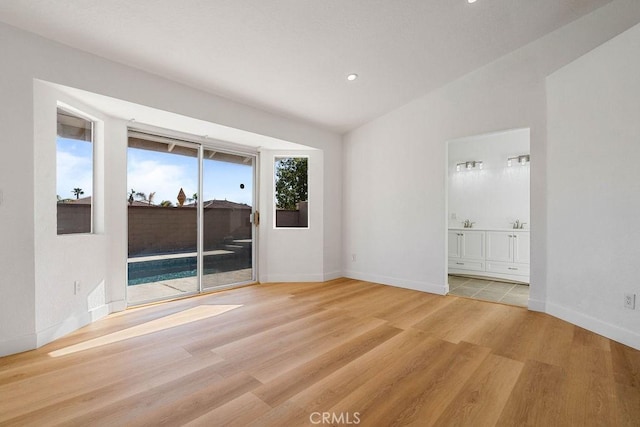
471 1
352 77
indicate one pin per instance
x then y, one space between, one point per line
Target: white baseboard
99 312
537 305
61 329
332 275
614 332
52 333
274 278
18 345
115 306
400 283
71 324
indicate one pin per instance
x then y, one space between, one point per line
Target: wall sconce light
469 165
523 160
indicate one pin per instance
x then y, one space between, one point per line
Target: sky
73 167
151 171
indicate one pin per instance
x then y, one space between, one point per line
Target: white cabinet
490 253
454 244
466 244
472 246
499 246
466 250
508 246
521 245
508 268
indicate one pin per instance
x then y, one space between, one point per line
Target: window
291 192
74 173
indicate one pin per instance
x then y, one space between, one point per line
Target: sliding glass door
227 207
189 210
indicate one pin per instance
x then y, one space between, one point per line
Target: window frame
74 112
276 158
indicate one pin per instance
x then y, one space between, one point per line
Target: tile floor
488 290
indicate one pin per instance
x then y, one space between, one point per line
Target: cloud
165 179
73 170
150 171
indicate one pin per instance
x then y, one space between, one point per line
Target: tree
291 182
133 195
77 192
166 204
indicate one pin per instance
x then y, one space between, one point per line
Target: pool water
180 268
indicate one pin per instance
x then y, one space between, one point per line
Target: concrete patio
174 288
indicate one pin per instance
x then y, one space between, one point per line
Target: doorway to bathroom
488 216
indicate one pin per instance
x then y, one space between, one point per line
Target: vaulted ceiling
292 57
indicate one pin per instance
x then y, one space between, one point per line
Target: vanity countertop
489 229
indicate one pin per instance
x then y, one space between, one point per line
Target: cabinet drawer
465 264
508 268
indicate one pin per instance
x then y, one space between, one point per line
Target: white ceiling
291 57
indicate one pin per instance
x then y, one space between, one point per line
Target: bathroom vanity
491 253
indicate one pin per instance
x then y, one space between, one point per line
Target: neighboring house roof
209 204
80 201
87 201
221 204
139 203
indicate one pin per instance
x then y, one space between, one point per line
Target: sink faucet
467 223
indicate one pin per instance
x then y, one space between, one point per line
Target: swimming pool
157 268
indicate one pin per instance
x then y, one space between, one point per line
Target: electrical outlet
76 287
353 257
453 216
630 301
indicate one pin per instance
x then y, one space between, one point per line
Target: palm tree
77 192
151 196
166 204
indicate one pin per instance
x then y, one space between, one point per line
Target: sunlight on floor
187 316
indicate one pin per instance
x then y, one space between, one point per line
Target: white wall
62 260
396 163
17 271
30 271
496 195
594 202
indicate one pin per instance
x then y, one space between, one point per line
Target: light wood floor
279 354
